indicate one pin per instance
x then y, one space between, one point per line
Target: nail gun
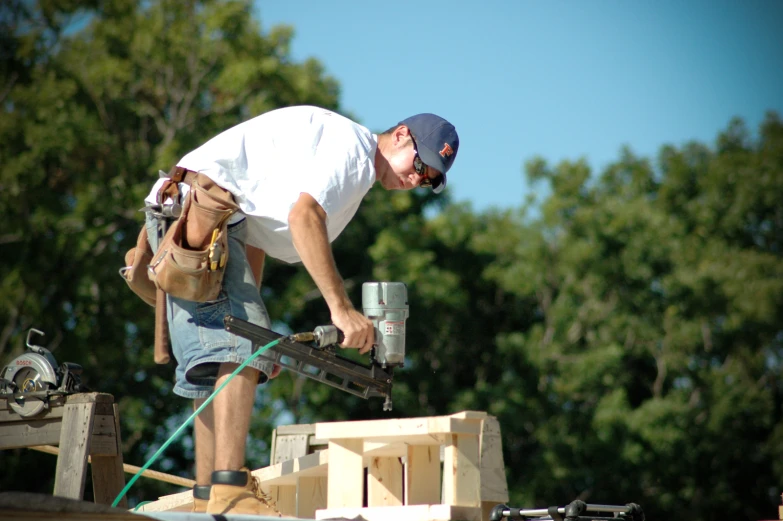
314 354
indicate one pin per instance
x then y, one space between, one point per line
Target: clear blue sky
559 79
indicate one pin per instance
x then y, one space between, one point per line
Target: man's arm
307 221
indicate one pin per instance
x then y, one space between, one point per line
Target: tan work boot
200 498
238 492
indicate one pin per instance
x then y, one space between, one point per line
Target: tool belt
191 259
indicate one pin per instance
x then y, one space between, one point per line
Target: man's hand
358 330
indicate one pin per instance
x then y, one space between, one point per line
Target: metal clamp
574 511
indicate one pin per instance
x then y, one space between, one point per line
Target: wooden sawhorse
83 425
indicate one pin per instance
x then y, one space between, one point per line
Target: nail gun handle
328 335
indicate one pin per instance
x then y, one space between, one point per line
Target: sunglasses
421 169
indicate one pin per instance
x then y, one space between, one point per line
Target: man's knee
248 373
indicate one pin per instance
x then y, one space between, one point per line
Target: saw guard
35 368
42 364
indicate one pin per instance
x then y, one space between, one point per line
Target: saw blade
28 380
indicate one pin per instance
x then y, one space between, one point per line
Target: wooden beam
8 415
470 415
287 472
316 465
131 469
406 513
170 502
18 435
413 430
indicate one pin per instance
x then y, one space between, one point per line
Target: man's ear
401 134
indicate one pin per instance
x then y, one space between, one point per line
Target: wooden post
310 496
422 475
384 482
75 437
494 488
345 474
108 477
284 497
461 474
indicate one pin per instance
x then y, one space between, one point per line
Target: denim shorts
198 338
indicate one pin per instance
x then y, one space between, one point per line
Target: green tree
657 347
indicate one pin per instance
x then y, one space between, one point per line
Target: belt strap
170 187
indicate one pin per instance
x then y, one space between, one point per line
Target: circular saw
33 378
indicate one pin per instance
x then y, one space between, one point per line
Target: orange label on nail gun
394 328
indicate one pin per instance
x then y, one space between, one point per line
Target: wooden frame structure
434 468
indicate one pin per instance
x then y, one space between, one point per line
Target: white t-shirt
268 161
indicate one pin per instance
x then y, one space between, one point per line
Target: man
298 175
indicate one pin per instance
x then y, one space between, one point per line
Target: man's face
402 174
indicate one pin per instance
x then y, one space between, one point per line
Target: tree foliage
657 345
625 329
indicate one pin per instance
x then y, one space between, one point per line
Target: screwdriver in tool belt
214 257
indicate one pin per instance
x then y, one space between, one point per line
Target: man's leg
234 490
204 433
232 409
205 442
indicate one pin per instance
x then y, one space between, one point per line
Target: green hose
141 505
189 420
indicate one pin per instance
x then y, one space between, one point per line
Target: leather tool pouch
191 260
135 271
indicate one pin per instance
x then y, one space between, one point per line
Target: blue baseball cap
437 142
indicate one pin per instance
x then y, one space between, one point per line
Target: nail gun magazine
315 354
